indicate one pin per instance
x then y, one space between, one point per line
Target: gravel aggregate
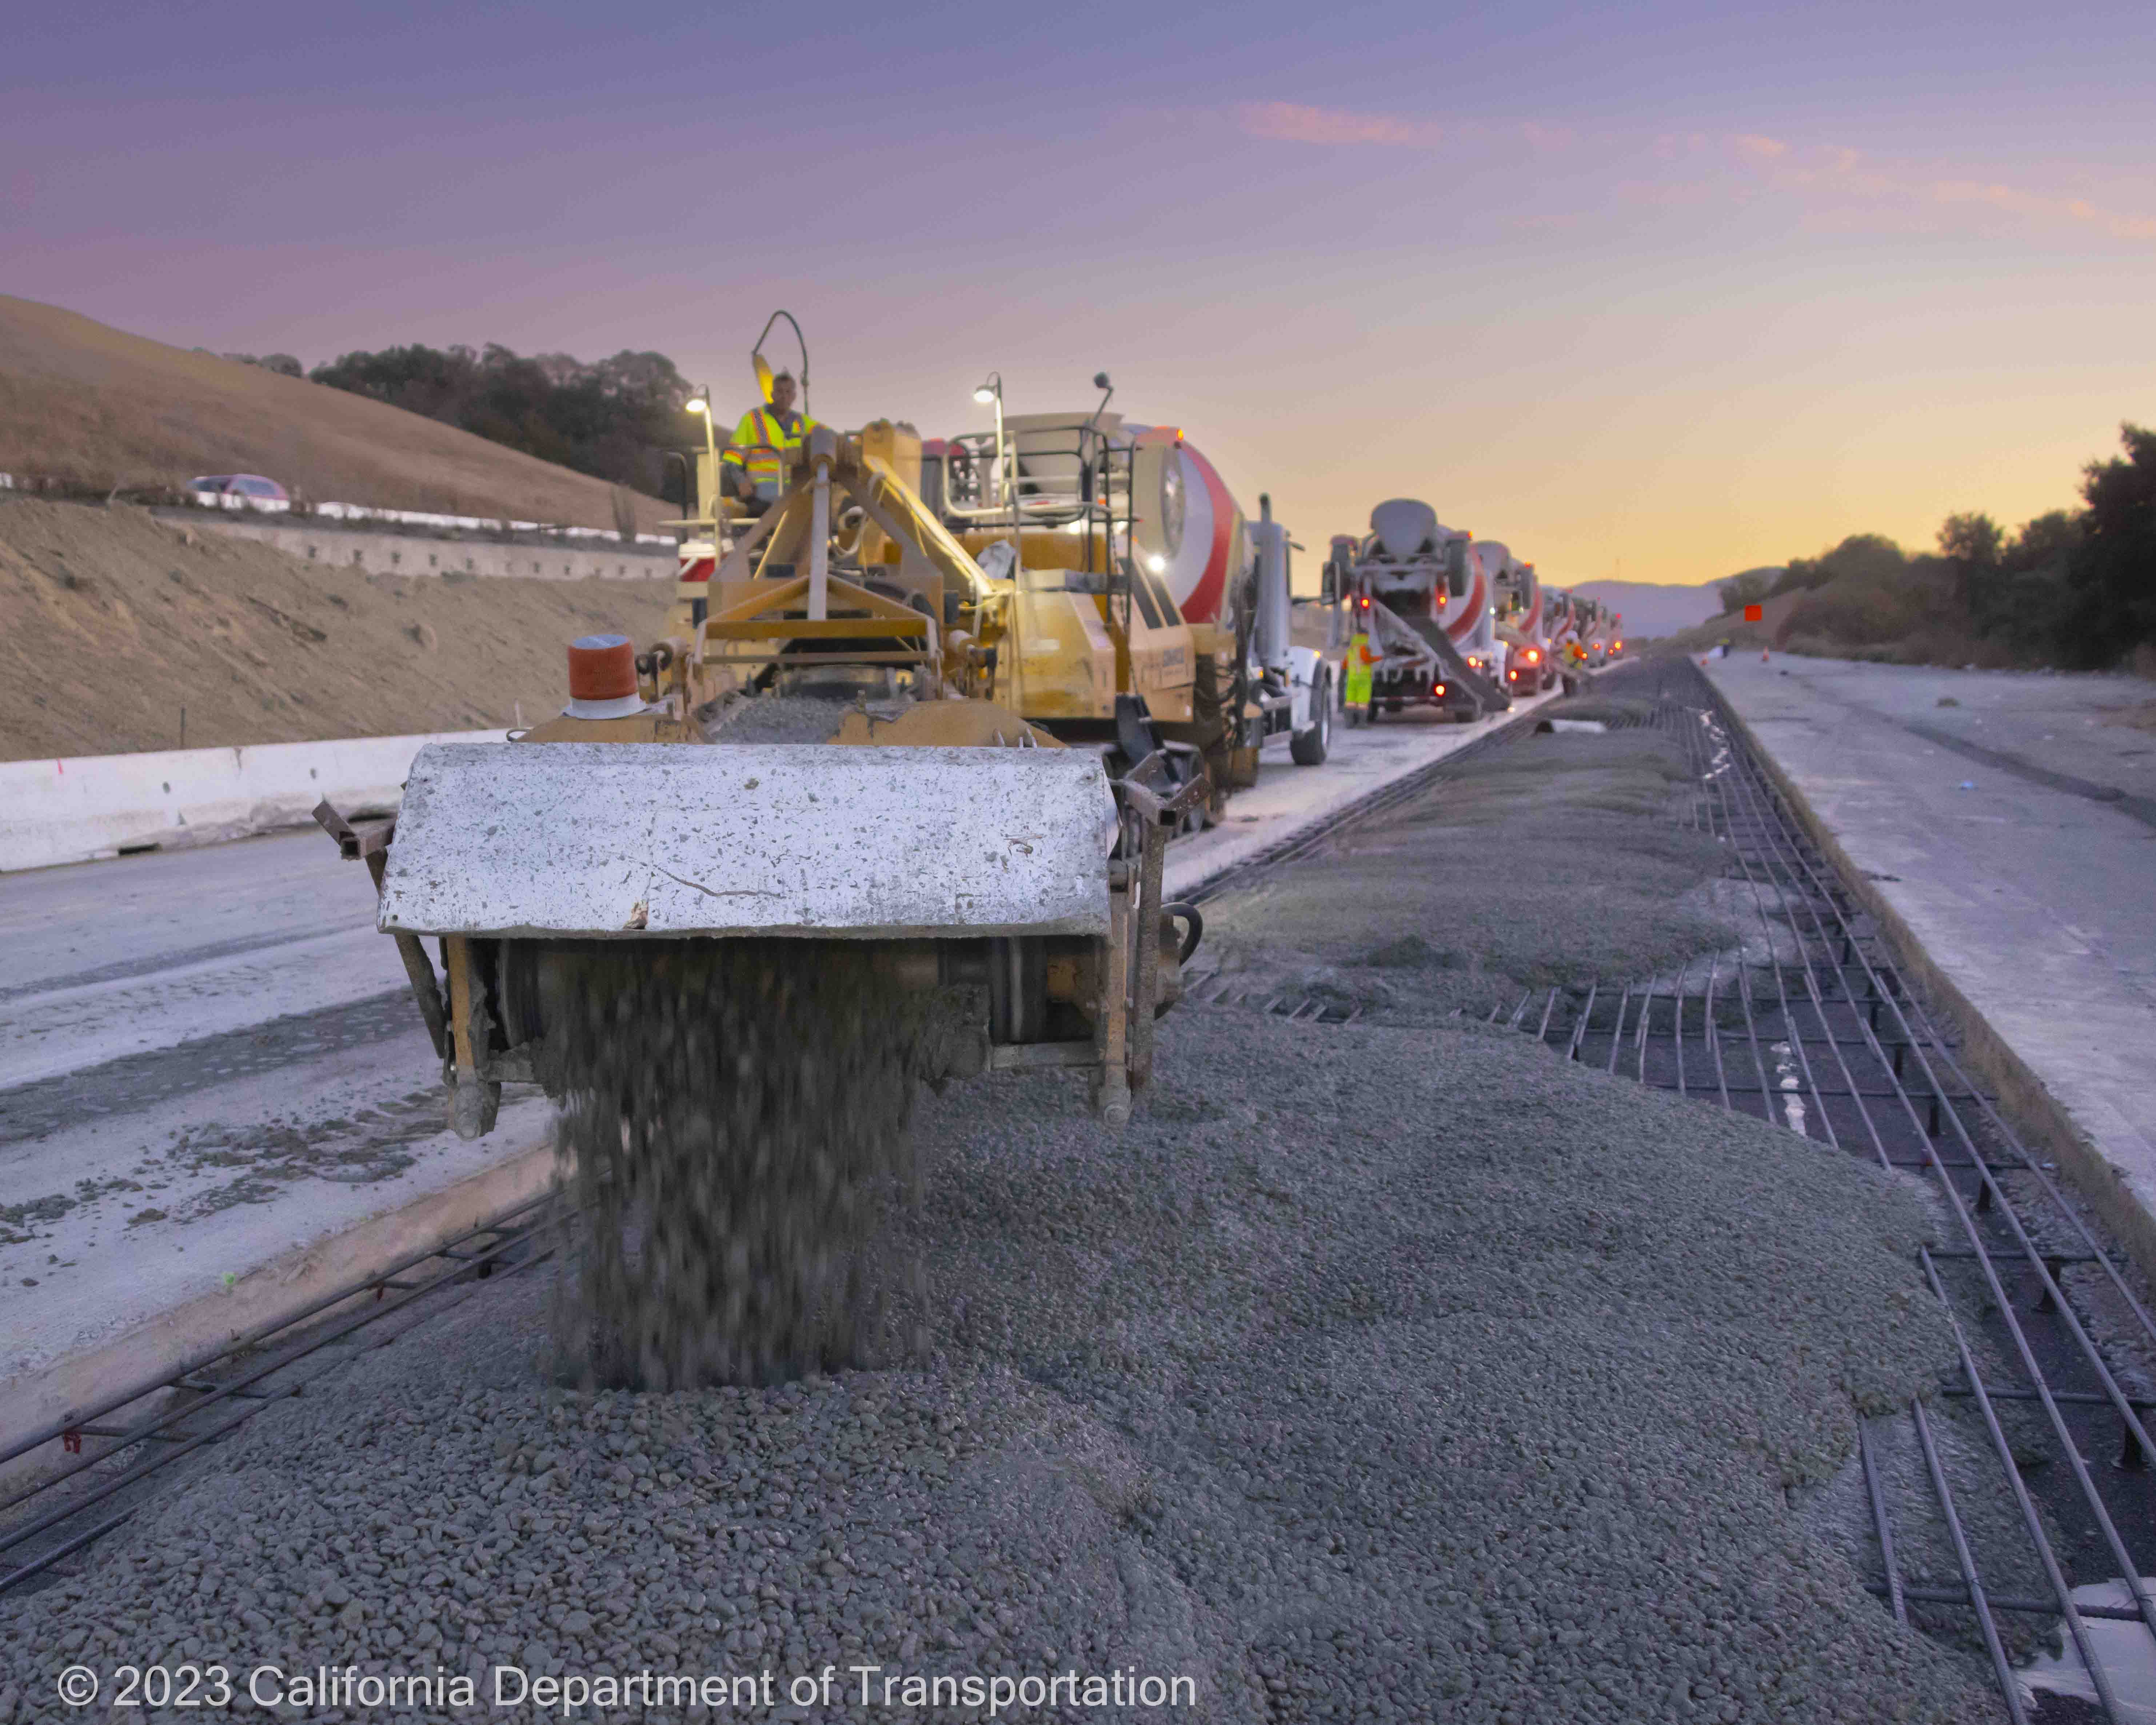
734 1120
1395 1371
1558 858
1382 1373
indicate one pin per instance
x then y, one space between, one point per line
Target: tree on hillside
1973 540
2020 593
2111 574
1971 543
1871 559
1749 589
608 418
2045 542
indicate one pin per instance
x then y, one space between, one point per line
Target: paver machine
836 742
1420 592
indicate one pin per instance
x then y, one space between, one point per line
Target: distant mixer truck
1423 595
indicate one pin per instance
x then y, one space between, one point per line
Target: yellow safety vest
762 426
1356 684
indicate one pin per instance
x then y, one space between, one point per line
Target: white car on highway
239 491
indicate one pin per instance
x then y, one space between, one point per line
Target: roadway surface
207 1058
2008 819
210 1061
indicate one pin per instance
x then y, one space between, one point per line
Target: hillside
94 405
1652 608
1769 632
111 621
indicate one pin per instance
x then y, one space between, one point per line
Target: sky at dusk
1665 290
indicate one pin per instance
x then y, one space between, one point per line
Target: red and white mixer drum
1188 529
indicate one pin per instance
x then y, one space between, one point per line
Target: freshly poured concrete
2025 874
1288 798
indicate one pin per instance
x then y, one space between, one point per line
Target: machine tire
1307 747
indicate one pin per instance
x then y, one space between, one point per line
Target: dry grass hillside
1742 636
82 402
111 621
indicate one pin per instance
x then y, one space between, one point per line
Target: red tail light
1440 689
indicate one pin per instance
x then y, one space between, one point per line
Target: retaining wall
381 553
89 806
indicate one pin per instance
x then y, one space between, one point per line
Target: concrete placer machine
1424 595
822 758
960 733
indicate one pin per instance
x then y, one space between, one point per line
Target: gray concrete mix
1337 1412
1558 859
1385 1372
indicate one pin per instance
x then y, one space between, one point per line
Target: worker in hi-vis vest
755 457
1355 680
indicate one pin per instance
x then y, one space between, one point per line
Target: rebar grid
1861 1066
50 1515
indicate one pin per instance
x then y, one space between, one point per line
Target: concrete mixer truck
1522 626
1421 592
1091 513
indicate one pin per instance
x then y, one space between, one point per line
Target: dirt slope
1731 626
86 403
111 621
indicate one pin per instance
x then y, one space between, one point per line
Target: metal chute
652 840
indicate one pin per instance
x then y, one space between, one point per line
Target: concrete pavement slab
2025 898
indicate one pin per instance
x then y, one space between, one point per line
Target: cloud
1841 178
1837 182
2014 200
1764 149
1546 137
1295 123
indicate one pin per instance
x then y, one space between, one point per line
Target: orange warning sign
1754 614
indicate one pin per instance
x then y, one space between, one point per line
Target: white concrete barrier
381 553
91 806
406 517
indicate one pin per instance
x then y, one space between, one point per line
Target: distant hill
83 402
1651 609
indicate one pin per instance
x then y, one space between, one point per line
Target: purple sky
1680 285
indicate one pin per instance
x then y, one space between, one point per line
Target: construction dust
734 1128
